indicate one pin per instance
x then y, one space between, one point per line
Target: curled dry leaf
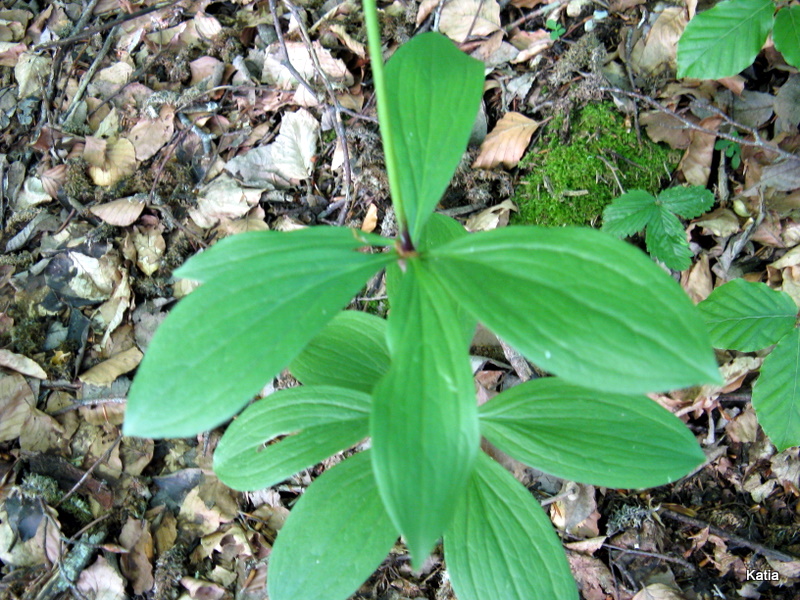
21 364
696 161
149 136
491 218
109 160
16 406
107 371
53 178
659 591
507 142
371 219
206 26
121 213
464 18
101 581
656 53
223 198
150 247
275 73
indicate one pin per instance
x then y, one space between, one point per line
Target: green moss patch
570 183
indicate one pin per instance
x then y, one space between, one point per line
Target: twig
547 8
104 27
87 77
663 557
85 16
758 142
337 112
88 472
735 539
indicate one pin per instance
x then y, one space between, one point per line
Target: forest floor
124 134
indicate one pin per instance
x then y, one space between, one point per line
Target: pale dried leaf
744 427
21 364
43 548
721 222
476 18
137 564
107 371
149 136
200 589
696 161
784 176
349 41
275 73
653 55
659 591
294 149
31 194
53 178
787 104
426 7
32 72
150 247
507 142
122 212
16 405
101 581
223 198
116 161
370 219
206 26
491 218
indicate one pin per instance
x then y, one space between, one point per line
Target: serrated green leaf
686 202
724 40
787 34
747 316
318 421
593 437
580 304
501 544
433 92
776 393
266 295
351 352
666 240
335 537
629 213
424 427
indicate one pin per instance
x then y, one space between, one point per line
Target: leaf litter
183 124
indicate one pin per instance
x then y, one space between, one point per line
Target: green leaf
438 230
776 393
266 295
433 91
335 537
589 436
629 213
322 421
666 240
580 304
686 202
424 424
725 40
501 544
747 316
351 352
787 34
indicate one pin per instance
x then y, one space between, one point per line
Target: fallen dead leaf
370 219
122 212
108 370
491 218
16 405
101 581
507 142
463 18
659 591
21 364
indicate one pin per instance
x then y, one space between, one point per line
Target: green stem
384 117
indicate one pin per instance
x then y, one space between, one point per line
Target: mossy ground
570 183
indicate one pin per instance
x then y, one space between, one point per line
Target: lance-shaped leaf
433 92
335 537
747 316
580 304
424 422
776 393
351 352
787 34
501 543
266 295
724 40
322 420
593 437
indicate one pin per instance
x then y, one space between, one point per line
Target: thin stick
548 8
735 539
86 475
758 142
664 557
338 125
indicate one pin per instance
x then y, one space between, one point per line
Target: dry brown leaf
529 3
21 364
696 161
620 5
206 26
107 371
371 219
150 247
491 218
44 546
101 581
109 160
274 72
16 405
653 55
223 198
659 591
122 212
53 178
476 18
149 136
506 143
530 44
137 563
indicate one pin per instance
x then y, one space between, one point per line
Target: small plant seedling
592 310
748 316
555 28
666 237
725 40
732 149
